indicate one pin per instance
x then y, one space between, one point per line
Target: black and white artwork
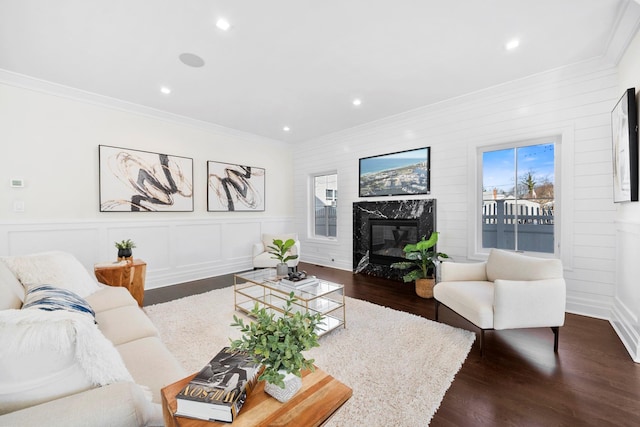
233 187
624 128
142 181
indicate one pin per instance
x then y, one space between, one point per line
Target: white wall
626 307
573 102
50 139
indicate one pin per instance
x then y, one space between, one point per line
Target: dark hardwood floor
519 381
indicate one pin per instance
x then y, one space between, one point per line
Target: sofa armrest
529 304
457 271
119 404
257 249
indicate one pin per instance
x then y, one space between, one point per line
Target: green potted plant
125 249
277 340
421 263
280 250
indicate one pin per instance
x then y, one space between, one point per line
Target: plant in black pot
125 249
281 250
421 260
277 342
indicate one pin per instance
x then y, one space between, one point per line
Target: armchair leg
481 342
556 333
437 308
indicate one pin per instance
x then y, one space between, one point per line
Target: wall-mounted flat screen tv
396 174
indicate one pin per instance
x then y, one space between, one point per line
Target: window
325 204
518 197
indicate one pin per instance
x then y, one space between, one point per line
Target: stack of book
299 283
219 390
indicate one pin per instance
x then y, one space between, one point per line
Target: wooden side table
320 396
129 274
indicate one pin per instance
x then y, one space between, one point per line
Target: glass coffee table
266 289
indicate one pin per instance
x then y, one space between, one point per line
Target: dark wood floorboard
520 381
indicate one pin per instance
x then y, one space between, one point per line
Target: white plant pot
282 269
292 383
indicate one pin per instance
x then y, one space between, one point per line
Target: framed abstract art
142 181
624 133
234 188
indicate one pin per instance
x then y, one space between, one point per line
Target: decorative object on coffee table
280 250
421 260
125 249
320 397
277 341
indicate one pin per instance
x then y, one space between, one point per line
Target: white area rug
398 365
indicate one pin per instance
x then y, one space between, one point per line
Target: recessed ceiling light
512 44
286 128
223 24
166 90
357 102
191 59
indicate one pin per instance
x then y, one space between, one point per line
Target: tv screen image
396 174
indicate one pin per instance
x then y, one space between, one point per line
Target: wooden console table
129 274
320 396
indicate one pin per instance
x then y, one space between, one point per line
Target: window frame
556 139
311 229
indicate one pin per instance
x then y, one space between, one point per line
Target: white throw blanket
32 331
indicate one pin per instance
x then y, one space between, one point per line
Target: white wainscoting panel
175 250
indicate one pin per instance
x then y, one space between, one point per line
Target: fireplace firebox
388 237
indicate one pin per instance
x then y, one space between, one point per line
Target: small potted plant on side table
125 249
277 342
281 250
421 260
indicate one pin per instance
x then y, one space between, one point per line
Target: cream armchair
507 291
263 259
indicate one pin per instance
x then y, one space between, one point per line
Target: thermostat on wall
17 182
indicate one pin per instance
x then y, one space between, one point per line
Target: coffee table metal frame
263 287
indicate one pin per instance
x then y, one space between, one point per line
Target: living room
51 133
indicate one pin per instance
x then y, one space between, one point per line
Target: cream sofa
507 291
62 367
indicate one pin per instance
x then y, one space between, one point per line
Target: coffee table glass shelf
264 287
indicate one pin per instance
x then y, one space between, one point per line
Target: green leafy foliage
280 250
277 340
125 244
421 259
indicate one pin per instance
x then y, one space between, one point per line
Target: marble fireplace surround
422 210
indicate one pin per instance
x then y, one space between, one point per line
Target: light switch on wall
18 206
17 182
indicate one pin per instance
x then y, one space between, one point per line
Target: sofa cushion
50 354
50 298
11 290
157 368
109 297
513 266
123 324
56 268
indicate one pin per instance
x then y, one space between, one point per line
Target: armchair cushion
513 266
528 303
263 259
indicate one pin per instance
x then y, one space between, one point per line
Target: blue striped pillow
51 298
